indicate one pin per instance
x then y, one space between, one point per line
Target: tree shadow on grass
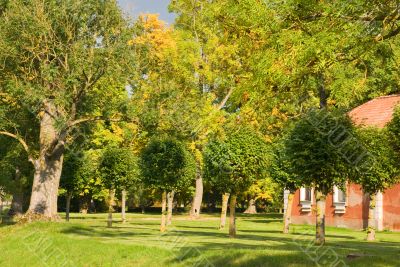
302 253
103 232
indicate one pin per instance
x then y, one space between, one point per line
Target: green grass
85 241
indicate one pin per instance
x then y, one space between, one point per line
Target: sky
135 7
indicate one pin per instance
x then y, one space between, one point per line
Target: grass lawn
85 241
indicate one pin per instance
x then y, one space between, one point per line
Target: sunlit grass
85 241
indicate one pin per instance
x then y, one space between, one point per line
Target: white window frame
306 204
340 206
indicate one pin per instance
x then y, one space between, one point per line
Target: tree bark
251 209
111 194
198 196
163 211
371 218
288 214
68 206
232 216
225 198
48 166
170 198
123 205
320 218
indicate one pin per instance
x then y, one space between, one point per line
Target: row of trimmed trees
324 149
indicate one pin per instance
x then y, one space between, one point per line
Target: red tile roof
376 112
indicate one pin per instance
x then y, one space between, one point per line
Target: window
305 194
339 196
339 199
306 199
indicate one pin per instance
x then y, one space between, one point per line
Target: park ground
86 241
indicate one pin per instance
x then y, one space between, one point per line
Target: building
350 208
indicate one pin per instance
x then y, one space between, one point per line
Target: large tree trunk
123 205
251 209
232 216
111 194
288 214
48 166
198 196
163 211
371 218
320 220
225 198
170 198
68 206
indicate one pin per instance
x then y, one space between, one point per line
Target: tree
167 165
379 171
70 179
322 151
235 163
173 100
118 169
55 55
280 173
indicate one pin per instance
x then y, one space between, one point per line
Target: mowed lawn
85 241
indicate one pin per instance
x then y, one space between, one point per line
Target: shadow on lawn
289 254
103 232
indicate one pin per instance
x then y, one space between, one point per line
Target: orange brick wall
391 208
356 215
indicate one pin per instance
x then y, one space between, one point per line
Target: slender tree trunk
170 198
84 205
197 198
48 166
18 196
68 206
225 198
1 204
111 194
320 222
163 211
371 218
251 209
288 214
232 216
123 205
198 195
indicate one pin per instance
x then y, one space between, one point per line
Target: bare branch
22 142
226 98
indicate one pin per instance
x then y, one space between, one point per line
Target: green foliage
167 164
13 158
62 57
381 167
234 164
322 149
279 168
118 168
